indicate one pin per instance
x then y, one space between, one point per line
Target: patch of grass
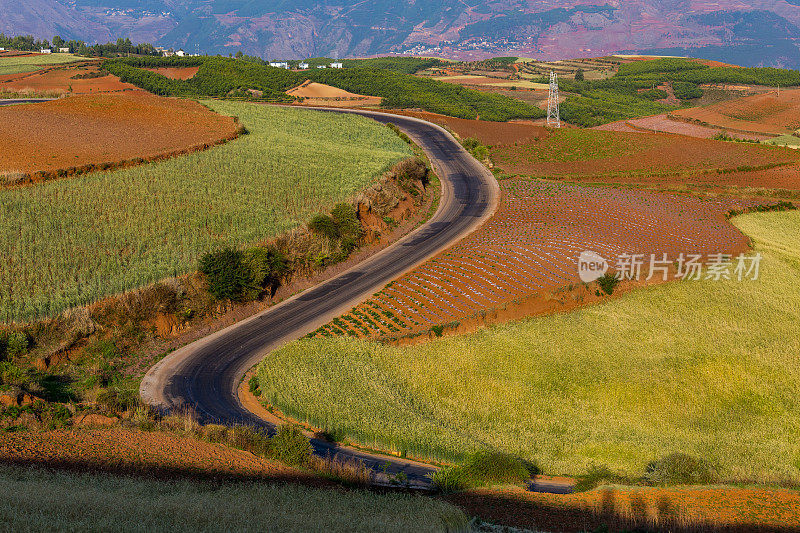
704 368
108 232
21 64
39 500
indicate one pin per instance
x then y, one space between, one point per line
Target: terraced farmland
531 246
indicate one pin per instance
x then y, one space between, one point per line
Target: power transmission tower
553 111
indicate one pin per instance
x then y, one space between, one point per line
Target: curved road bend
206 374
13 101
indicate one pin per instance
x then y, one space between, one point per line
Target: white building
279 64
321 66
63 50
180 53
303 66
168 53
45 51
336 65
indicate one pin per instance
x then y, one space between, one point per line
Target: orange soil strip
675 509
761 113
320 90
523 261
637 154
155 453
59 79
176 73
489 133
664 124
86 130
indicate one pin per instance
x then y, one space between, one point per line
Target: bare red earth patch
104 128
489 133
71 79
176 73
615 156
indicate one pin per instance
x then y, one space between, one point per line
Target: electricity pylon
553 111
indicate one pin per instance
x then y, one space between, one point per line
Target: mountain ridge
468 29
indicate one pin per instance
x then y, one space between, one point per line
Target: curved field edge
114 231
42 500
706 368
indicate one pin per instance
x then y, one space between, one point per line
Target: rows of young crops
708 368
73 241
532 244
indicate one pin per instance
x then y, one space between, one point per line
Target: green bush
228 275
482 469
608 282
680 469
290 446
324 225
597 475
474 147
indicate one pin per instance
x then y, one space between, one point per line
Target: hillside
763 35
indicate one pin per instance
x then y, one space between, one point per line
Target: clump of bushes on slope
341 227
680 469
476 148
482 469
242 275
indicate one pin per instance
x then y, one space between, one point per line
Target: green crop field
70 242
40 500
705 368
20 64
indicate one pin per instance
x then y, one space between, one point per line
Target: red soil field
111 127
611 156
489 133
767 113
669 509
176 73
530 248
60 80
153 453
664 124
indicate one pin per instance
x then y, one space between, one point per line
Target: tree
579 76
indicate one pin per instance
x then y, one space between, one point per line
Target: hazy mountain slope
458 28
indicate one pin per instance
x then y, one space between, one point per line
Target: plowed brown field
111 127
530 248
611 156
489 133
176 73
127 450
664 124
767 113
60 80
668 509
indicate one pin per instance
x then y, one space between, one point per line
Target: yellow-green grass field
706 368
73 241
39 500
22 64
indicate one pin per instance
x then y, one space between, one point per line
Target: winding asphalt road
14 101
207 374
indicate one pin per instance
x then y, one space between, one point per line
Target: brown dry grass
104 128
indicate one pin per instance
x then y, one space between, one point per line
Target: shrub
324 225
597 475
265 266
680 469
290 446
228 276
474 147
608 282
579 76
17 343
484 468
